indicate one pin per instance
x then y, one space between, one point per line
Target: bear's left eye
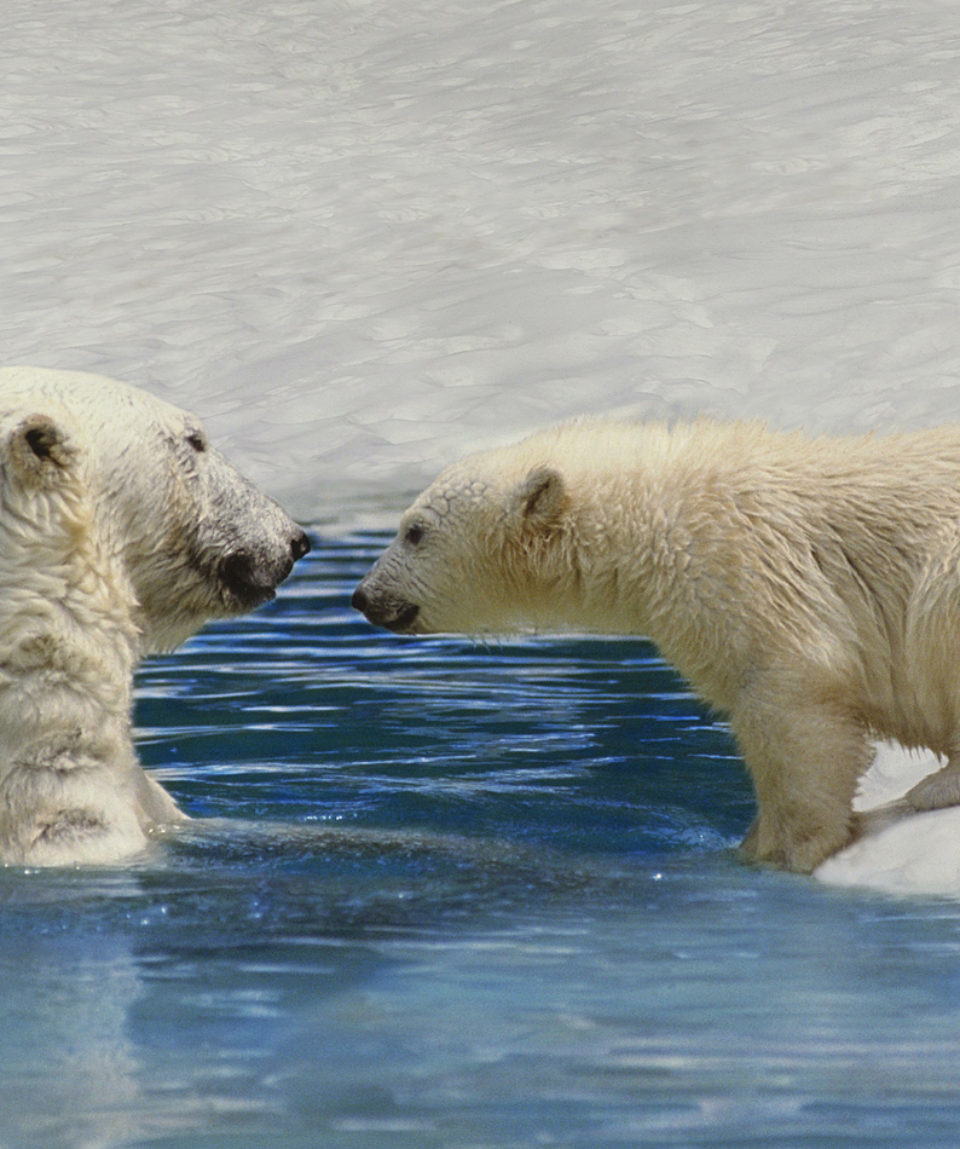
414 535
197 441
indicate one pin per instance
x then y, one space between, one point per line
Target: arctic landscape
362 237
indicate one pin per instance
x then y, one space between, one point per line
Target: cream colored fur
808 588
71 789
121 532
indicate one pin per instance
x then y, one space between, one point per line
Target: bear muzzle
250 579
391 615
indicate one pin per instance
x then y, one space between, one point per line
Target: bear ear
39 450
541 497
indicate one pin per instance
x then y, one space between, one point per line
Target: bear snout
390 615
300 545
247 582
251 579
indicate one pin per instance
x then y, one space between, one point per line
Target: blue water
446 896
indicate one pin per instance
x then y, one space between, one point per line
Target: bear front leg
805 761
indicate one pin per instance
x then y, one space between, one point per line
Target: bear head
194 538
474 553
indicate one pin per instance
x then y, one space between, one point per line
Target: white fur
809 588
117 523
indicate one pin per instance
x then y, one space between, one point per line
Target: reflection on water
440 895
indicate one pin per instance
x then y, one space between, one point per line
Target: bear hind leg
937 790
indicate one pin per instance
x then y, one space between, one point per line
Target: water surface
447 896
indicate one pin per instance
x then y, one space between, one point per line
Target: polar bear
121 531
808 588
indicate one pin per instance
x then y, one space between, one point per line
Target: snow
363 236
918 855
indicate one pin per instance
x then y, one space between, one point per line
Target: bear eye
197 441
414 535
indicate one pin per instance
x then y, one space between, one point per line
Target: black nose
299 546
360 601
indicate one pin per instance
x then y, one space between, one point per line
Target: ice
916 855
363 236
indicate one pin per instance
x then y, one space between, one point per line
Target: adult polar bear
121 532
808 588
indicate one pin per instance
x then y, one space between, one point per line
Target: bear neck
589 570
68 645
633 572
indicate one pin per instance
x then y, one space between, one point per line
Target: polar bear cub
807 587
121 532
